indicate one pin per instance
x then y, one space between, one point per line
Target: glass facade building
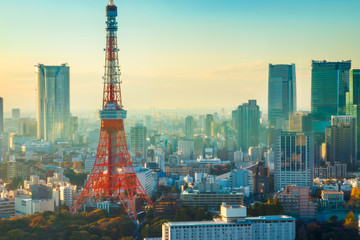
1 115
329 84
353 103
53 102
281 94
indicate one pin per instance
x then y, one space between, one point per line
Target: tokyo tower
112 177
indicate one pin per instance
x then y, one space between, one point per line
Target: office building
353 102
1 115
337 170
209 199
186 150
340 139
165 207
189 127
300 122
7 208
329 84
294 160
281 94
53 102
15 113
233 224
296 202
138 140
246 121
332 199
209 119
26 205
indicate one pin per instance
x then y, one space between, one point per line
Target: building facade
232 224
189 127
246 121
329 84
1 115
296 202
138 140
340 139
53 102
294 160
300 122
281 94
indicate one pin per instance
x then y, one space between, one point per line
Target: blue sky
173 54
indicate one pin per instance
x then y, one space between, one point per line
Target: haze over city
173 54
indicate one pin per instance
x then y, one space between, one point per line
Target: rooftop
247 221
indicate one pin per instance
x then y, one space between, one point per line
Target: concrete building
340 139
332 199
138 140
146 179
186 150
89 163
165 207
25 205
296 202
282 94
15 113
209 119
300 122
212 200
189 127
233 224
294 164
246 121
337 170
53 102
7 207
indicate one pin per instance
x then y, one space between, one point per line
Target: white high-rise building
53 102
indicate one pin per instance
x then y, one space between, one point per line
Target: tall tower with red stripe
112 177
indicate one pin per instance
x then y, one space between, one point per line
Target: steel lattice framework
112 176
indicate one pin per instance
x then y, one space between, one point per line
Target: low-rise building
233 224
212 200
165 207
332 199
26 205
7 207
296 202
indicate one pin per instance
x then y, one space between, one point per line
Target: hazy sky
173 53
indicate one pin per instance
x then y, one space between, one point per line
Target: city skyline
173 55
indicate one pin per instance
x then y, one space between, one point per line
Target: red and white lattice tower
112 176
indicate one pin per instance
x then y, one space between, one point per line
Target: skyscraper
15 113
189 127
340 139
209 119
53 102
138 139
294 160
329 84
1 115
300 122
281 94
353 103
246 121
